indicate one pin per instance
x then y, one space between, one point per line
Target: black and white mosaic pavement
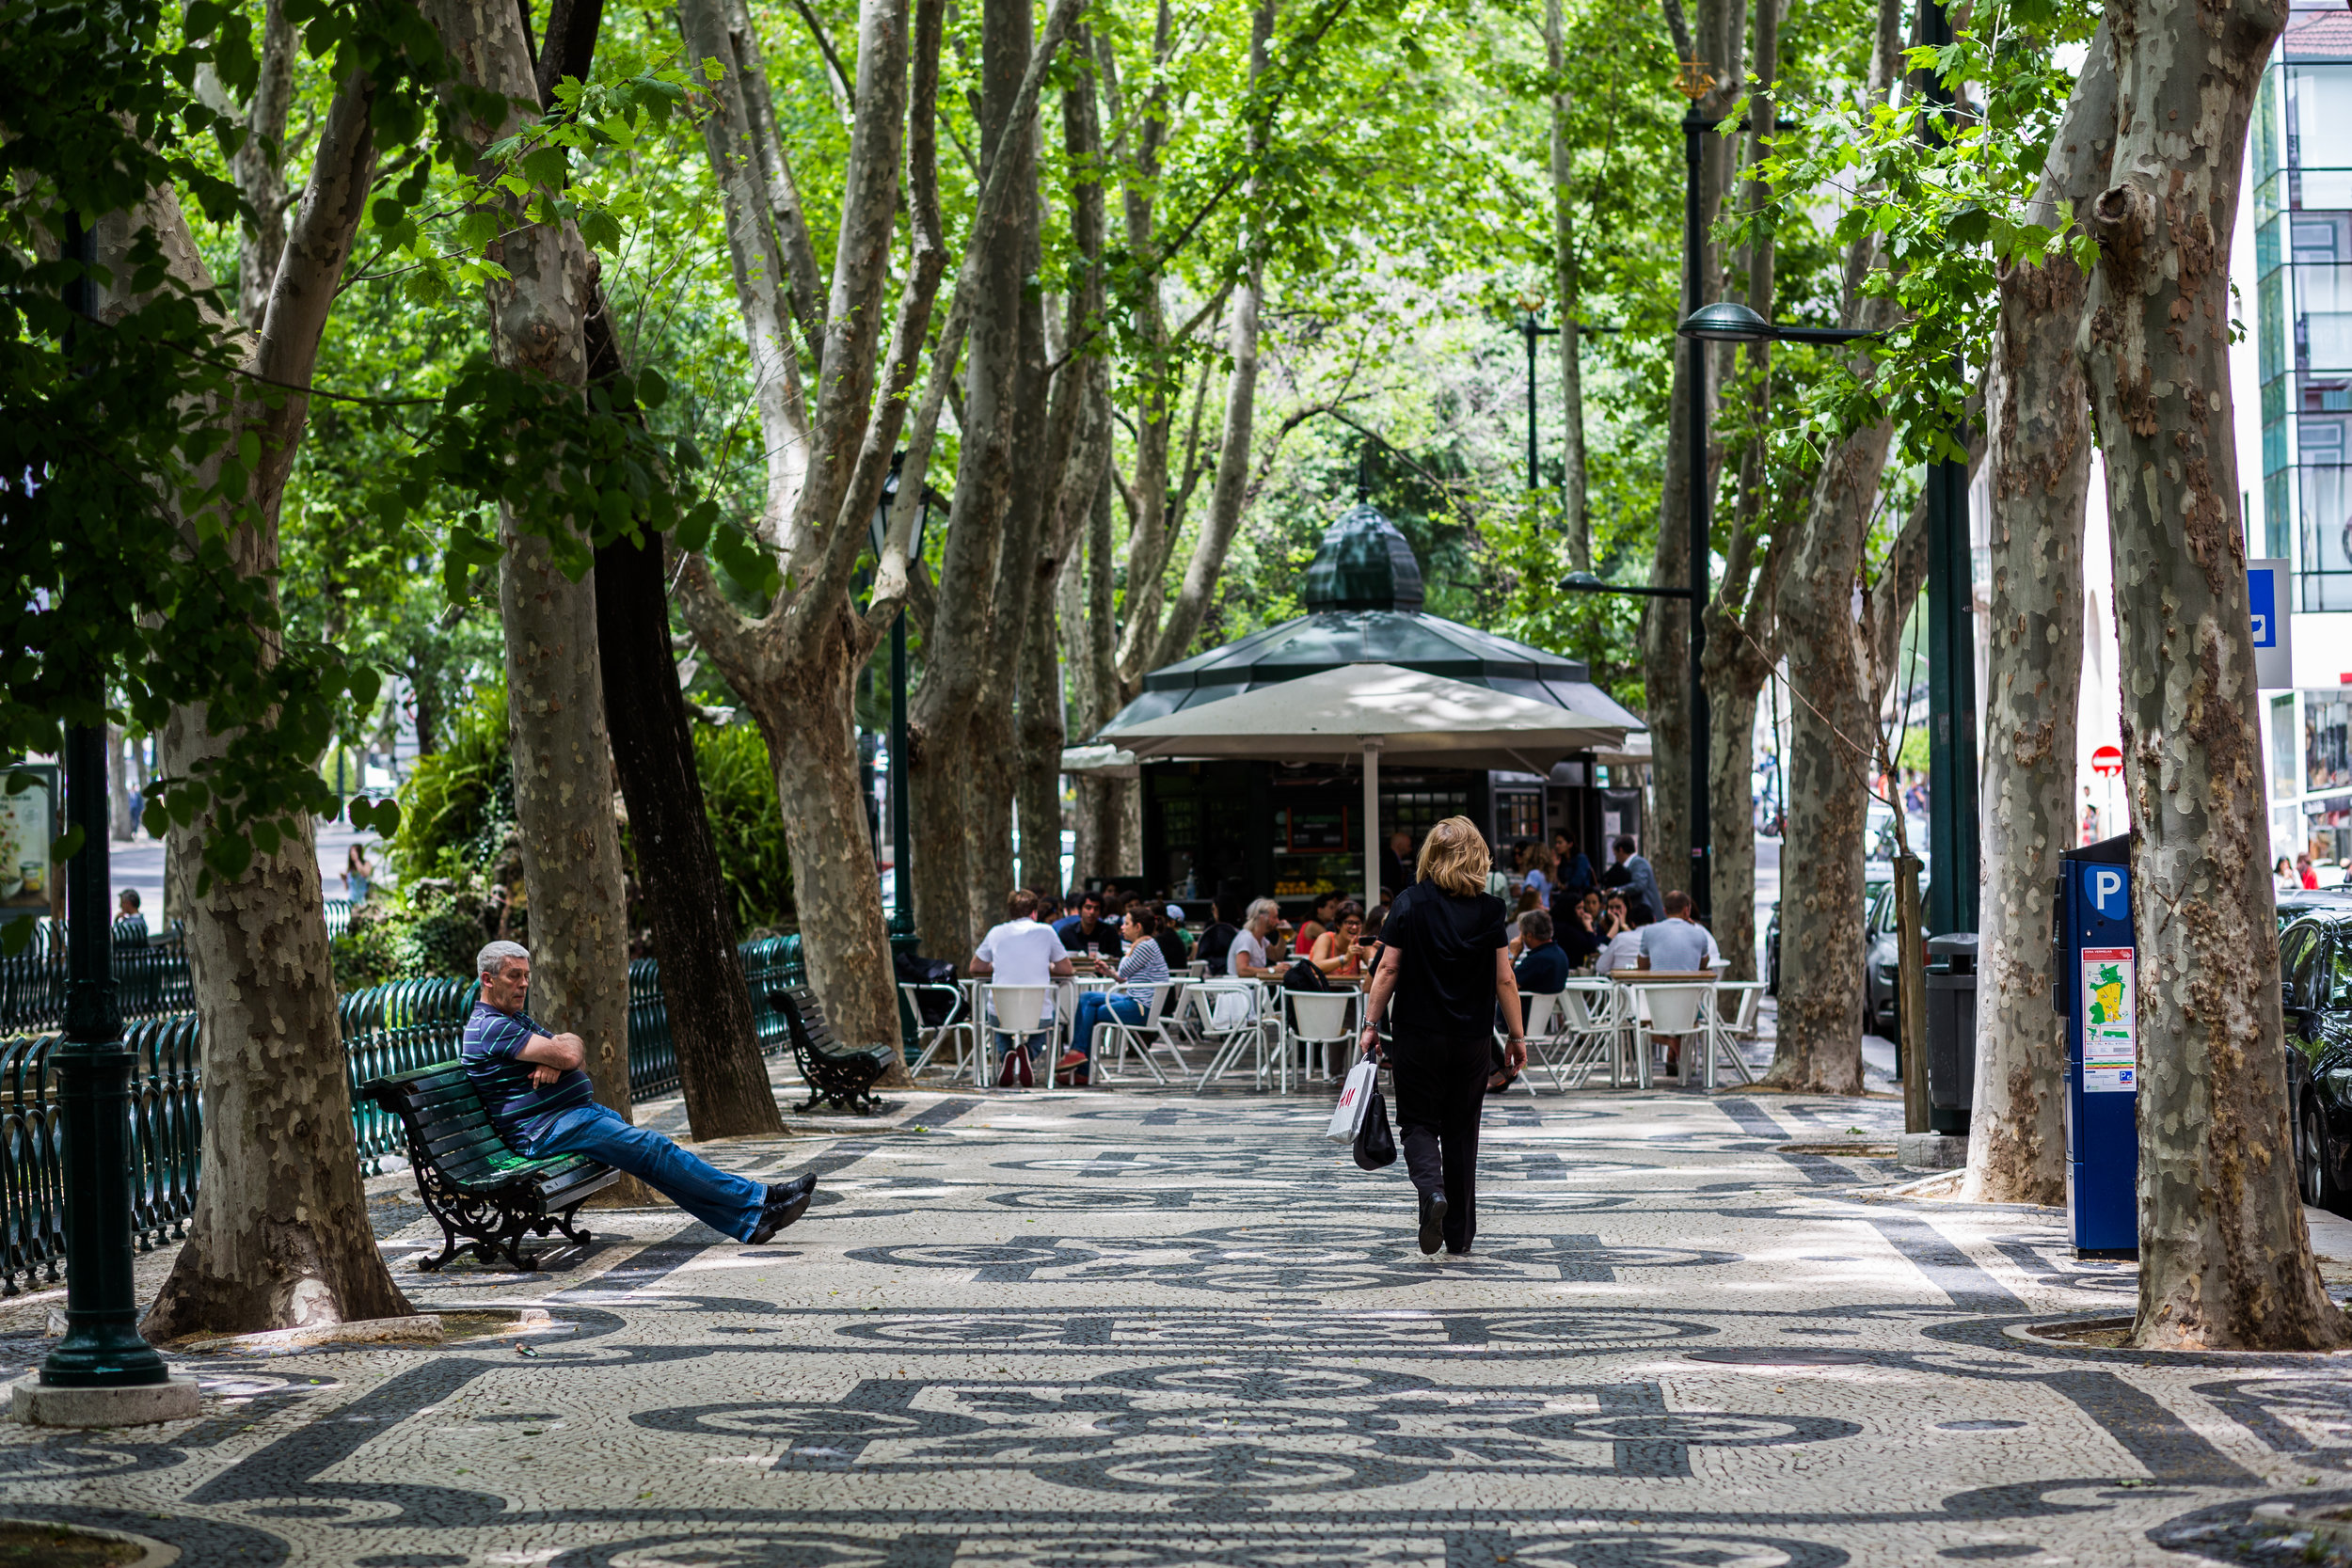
1149 1329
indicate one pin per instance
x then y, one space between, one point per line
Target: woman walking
1446 967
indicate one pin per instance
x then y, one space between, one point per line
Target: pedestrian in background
1444 964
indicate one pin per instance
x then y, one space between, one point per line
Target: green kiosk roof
1363 602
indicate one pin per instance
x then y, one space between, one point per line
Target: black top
1577 940
1445 960
1217 945
1171 947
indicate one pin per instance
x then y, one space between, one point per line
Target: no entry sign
2107 762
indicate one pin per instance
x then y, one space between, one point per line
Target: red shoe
1021 1056
1004 1079
1070 1059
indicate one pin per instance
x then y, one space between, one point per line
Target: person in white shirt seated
1021 952
1679 943
1248 956
1621 944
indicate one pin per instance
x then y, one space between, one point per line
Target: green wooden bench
844 1075
482 1192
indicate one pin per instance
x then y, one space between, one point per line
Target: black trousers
1441 1090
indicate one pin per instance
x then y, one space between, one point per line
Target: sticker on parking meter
2110 1053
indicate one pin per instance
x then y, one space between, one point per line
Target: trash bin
1951 1031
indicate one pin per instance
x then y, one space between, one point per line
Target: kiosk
2096 988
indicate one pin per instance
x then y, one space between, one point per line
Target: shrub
746 822
457 805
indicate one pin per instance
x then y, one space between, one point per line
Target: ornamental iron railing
385 1029
150 977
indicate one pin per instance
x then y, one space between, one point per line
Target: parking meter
2096 989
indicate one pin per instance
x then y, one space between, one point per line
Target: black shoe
784 1206
1457 1252
1432 1221
782 1192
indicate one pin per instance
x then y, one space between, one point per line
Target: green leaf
752 568
15 937
366 681
66 846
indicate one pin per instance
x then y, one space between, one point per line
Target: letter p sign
2106 883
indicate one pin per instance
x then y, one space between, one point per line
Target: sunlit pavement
1145 1327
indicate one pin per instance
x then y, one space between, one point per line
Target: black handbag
1376 1145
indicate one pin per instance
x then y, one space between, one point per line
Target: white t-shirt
1623 949
1023 953
1246 941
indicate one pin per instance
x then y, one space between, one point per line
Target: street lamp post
1728 322
902 890
101 1373
1531 303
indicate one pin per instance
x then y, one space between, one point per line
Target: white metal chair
1319 1018
1148 1039
1591 1031
957 1026
1539 1015
1018 1011
1065 994
1224 1016
1674 1007
1731 1015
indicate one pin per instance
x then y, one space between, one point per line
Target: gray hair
1261 906
494 956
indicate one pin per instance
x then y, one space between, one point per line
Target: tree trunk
2039 450
825 829
1038 784
1567 289
1731 767
1833 722
563 819
259 165
280 1236
2225 1259
721 1072
119 819
957 644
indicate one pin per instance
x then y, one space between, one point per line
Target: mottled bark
120 821
259 168
280 1236
2225 1259
955 733
1567 290
563 785
1831 741
2039 409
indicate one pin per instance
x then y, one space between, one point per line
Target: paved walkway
1126 1328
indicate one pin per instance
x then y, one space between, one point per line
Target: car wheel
2320 1188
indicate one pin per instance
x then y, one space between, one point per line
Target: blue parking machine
2096 988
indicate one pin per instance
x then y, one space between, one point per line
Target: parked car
2303 901
1881 994
2316 995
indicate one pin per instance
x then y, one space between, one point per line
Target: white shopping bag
1354 1099
1228 1009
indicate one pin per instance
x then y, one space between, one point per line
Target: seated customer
1578 941
1541 969
540 1101
1170 937
1340 951
1677 942
1249 954
1088 928
1621 934
1021 952
1143 967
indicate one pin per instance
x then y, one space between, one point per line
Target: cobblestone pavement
1144 1329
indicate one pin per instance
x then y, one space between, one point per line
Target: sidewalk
1153 1327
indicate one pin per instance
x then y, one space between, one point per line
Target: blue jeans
727 1203
1092 1004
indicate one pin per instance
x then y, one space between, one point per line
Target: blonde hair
1455 857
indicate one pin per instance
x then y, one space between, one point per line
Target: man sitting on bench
540 1101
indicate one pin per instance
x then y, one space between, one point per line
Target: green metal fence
409 1023
150 977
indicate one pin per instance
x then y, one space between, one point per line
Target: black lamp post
1531 305
902 891
101 1373
1728 322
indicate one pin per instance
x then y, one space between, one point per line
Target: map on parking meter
2110 1052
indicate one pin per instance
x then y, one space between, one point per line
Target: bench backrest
444 1115
805 1015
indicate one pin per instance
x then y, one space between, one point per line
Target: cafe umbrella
1370 710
